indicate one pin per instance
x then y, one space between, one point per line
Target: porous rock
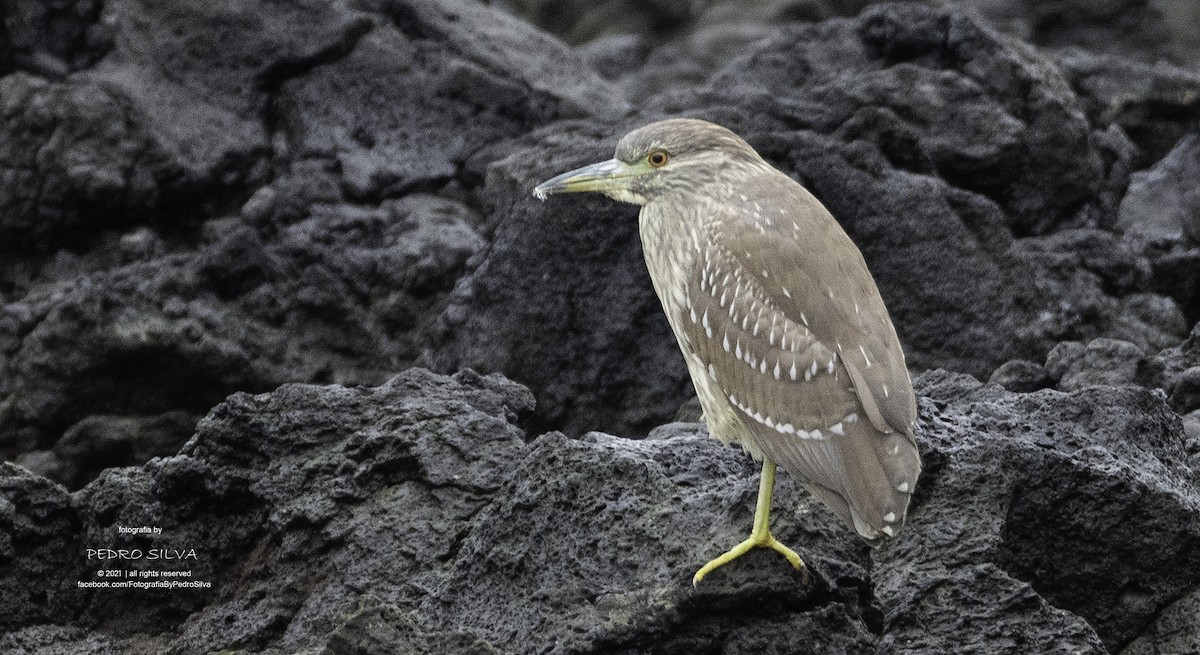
1109 362
1163 202
417 515
231 197
1021 376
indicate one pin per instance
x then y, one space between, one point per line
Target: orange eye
657 159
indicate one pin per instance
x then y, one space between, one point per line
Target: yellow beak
602 176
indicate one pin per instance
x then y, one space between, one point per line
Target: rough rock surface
417 517
206 198
1163 202
269 202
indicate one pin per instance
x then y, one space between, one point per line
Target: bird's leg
760 536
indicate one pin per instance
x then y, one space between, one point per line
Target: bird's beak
602 176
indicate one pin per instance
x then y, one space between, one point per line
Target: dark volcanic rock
1061 491
1021 376
51 38
1154 105
415 517
1164 202
1101 362
234 215
1176 370
346 480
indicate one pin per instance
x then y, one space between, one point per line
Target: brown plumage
787 340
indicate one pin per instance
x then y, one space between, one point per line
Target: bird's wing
786 318
815 269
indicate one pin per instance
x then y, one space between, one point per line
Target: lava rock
1038 489
211 206
1109 362
1174 370
51 38
1154 105
448 529
1163 202
1021 376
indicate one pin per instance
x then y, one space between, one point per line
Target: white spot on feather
725 342
792 373
887 529
836 428
902 487
707 327
864 354
776 369
890 517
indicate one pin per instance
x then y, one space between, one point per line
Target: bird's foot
764 540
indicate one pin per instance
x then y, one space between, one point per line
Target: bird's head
680 155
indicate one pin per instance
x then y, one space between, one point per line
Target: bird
787 340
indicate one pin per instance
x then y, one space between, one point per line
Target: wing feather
789 325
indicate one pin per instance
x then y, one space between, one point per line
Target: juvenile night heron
788 343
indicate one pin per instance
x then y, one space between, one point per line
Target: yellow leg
760 536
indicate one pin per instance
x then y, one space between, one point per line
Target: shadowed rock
416 515
269 202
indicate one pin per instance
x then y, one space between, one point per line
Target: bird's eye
657 159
